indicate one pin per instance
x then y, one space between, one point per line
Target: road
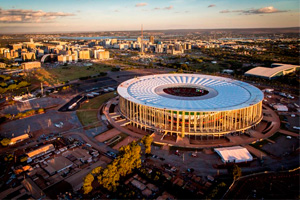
76 180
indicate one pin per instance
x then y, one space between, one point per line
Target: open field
207 67
68 73
96 102
87 117
87 114
42 75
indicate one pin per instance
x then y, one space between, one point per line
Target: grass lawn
87 117
68 73
87 114
42 75
96 102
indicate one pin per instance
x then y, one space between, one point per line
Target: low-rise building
64 58
27 66
57 165
2 65
17 139
78 154
276 70
41 151
280 107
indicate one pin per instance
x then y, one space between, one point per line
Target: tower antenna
142 40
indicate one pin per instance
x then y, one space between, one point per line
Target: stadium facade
190 104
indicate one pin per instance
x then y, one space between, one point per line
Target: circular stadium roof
223 93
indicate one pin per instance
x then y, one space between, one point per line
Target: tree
87 183
9 157
5 142
184 67
87 189
147 141
23 84
236 172
150 65
129 158
23 159
2 84
41 110
96 171
12 87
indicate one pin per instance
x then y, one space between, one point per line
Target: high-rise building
101 54
139 40
84 55
113 41
151 39
28 56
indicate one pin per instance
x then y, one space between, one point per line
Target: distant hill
235 30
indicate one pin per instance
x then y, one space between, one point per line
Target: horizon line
138 30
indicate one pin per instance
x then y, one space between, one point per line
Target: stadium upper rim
223 93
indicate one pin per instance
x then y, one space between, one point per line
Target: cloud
116 10
165 8
29 16
211 5
141 4
168 8
265 10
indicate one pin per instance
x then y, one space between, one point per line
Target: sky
42 16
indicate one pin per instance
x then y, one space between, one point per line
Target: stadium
190 104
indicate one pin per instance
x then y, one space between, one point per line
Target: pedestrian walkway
233 140
255 151
286 132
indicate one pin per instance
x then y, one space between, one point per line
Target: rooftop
220 94
234 154
59 163
270 72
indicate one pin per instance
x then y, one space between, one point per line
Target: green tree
2 90
12 87
87 183
9 157
236 172
96 171
184 66
23 159
147 141
23 84
2 84
129 158
41 110
5 142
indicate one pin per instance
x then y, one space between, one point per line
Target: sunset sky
21 16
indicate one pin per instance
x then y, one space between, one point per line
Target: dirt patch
107 135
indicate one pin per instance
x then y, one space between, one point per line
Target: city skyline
29 16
